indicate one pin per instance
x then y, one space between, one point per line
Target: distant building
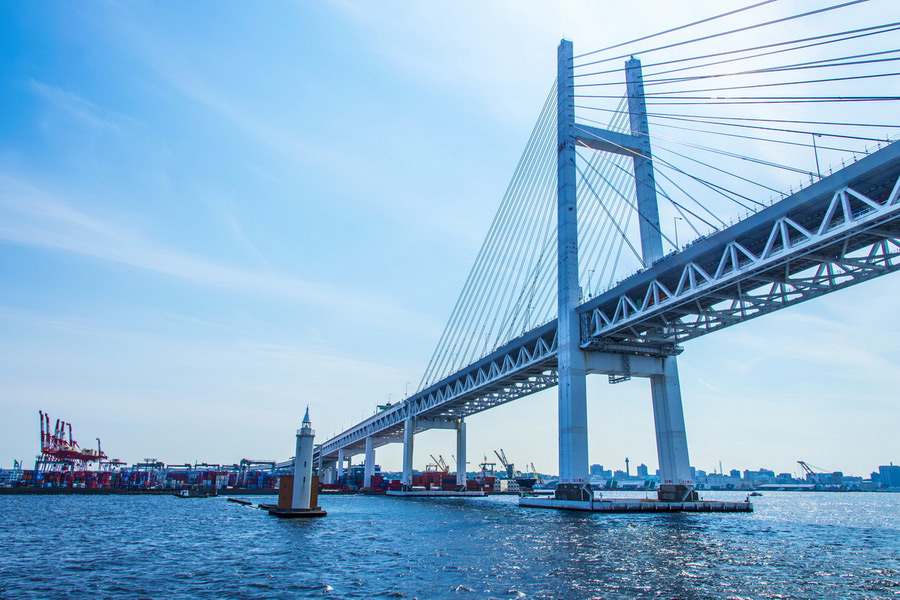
596 470
890 476
642 470
760 477
784 478
619 474
735 474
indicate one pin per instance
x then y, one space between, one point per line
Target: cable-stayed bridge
573 278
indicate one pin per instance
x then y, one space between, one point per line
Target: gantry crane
60 448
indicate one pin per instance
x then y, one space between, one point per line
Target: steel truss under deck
840 231
523 366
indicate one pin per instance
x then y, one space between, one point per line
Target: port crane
486 468
536 475
817 479
60 448
510 467
439 463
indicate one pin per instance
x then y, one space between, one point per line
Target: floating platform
626 505
434 493
293 513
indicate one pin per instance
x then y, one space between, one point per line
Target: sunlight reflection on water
796 545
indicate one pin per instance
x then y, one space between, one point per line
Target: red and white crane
59 449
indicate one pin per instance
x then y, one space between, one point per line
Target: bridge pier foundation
340 464
676 483
370 463
409 427
461 455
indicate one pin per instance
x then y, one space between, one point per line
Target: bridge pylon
576 358
573 439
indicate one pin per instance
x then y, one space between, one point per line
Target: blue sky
214 215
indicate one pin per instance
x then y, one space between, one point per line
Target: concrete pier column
340 464
408 431
370 463
572 387
461 455
676 484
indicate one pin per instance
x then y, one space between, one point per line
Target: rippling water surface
800 545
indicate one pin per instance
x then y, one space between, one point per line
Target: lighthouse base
293 513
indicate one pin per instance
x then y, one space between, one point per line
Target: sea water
795 545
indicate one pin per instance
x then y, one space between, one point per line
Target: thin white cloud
79 107
31 216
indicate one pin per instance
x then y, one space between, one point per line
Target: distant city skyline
212 219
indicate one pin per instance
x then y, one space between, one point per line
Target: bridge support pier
326 473
676 483
573 439
370 463
461 455
408 431
340 464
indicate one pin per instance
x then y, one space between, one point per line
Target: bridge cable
447 345
712 119
618 228
722 190
602 245
674 29
739 100
705 164
775 84
601 236
762 139
712 214
712 185
697 202
463 323
824 63
724 33
513 252
516 258
591 224
739 156
863 32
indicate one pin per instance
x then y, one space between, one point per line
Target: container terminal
65 466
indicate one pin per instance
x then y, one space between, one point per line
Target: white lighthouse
303 464
298 494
